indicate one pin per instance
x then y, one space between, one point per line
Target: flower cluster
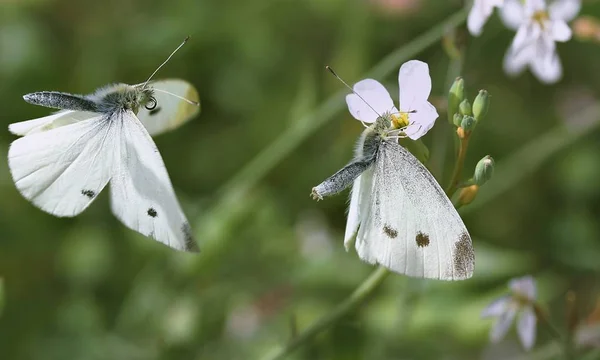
539 25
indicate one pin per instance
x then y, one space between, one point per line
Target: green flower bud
455 97
484 170
465 108
468 123
481 105
457 120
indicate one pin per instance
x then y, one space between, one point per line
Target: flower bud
468 123
484 170
457 120
465 108
455 97
467 194
481 105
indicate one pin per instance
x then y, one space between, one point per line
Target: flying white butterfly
63 161
400 215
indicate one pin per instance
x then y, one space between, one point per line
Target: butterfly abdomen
60 100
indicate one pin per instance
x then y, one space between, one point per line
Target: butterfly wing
170 111
408 223
142 196
49 122
63 169
360 196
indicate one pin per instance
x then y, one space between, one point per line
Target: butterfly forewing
63 169
408 224
142 196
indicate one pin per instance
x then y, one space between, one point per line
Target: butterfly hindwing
142 196
62 170
408 224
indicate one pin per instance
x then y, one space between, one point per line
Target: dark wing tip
190 242
464 257
192 247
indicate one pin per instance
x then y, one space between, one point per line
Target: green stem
439 145
565 340
352 302
458 166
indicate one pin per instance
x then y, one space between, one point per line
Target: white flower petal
565 10
475 22
479 14
560 31
503 324
496 308
526 35
516 60
512 14
532 6
421 120
547 68
524 286
414 83
375 95
526 327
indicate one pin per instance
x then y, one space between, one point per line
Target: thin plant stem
352 302
458 166
564 339
439 145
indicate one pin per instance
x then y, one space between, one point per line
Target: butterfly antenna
169 58
354 92
195 103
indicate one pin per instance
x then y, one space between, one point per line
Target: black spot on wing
89 193
152 212
463 256
422 239
390 231
154 111
190 243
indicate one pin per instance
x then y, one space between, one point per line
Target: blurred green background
273 125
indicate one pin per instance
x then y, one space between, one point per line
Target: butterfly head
383 124
145 98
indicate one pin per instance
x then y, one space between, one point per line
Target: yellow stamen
400 120
540 17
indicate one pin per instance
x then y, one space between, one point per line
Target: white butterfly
63 161
402 218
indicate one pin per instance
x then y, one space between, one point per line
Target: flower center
400 120
540 17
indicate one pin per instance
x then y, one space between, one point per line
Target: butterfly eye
151 105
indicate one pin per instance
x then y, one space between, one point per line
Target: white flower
538 27
480 12
506 308
415 110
